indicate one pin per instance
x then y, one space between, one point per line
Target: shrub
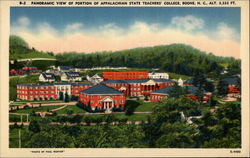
70 112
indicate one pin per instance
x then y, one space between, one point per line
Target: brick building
36 92
52 91
31 69
233 85
138 87
125 75
103 97
159 95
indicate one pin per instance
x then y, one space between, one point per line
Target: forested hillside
19 49
177 58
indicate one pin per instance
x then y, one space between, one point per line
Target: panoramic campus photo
125 77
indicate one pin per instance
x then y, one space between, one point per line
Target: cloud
110 37
23 21
187 23
73 27
225 32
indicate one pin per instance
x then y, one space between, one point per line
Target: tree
51 137
176 135
161 123
222 87
221 129
70 112
61 96
34 126
177 91
66 97
76 119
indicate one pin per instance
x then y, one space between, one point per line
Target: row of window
135 93
30 88
157 97
31 97
30 92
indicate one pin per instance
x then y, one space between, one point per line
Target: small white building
157 75
180 82
95 79
46 77
71 76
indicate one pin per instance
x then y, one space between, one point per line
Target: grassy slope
146 106
74 108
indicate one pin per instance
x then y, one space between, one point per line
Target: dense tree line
177 58
166 128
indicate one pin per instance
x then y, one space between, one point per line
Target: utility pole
19 138
27 117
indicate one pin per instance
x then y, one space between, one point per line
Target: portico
108 103
149 86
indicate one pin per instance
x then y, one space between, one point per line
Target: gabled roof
232 80
64 67
63 83
165 90
97 76
72 74
162 80
74 84
101 89
136 80
81 84
48 76
35 85
189 81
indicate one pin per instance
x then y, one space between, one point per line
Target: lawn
177 76
146 106
37 109
135 117
35 102
74 108
141 106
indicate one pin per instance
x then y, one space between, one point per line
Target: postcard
124 78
